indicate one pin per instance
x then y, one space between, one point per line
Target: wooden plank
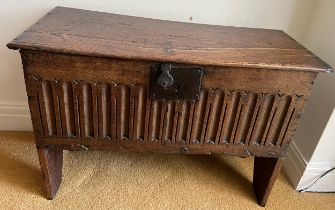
84 32
51 162
266 171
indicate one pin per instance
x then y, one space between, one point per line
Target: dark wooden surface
76 31
82 102
87 78
266 171
51 162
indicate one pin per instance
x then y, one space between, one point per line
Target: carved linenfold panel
91 110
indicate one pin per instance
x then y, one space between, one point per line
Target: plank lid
76 31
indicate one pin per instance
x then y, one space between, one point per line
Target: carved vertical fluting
96 106
249 104
222 117
199 115
57 93
282 106
250 138
141 110
183 122
214 117
68 108
265 103
104 99
115 107
272 109
51 130
206 118
125 112
162 121
269 110
77 107
190 122
41 107
35 106
88 111
176 119
133 103
155 121
95 110
291 120
62 111
168 124
38 126
149 105
232 100
236 129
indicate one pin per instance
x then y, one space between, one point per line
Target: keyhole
165 79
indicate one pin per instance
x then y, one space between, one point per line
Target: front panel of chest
82 102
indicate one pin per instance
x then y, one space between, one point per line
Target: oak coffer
102 81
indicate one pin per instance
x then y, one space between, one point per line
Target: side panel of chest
80 102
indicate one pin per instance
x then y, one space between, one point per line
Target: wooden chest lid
76 31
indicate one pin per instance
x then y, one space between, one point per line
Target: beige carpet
115 180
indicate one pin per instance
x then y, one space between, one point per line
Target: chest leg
266 171
51 162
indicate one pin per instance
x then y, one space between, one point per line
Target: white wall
320 39
314 141
301 19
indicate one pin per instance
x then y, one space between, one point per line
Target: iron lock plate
175 82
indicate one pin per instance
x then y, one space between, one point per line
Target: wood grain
235 116
266 171
84 32
51 162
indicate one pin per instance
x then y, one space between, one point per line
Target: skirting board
294 165
15 117
302 174
315 170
